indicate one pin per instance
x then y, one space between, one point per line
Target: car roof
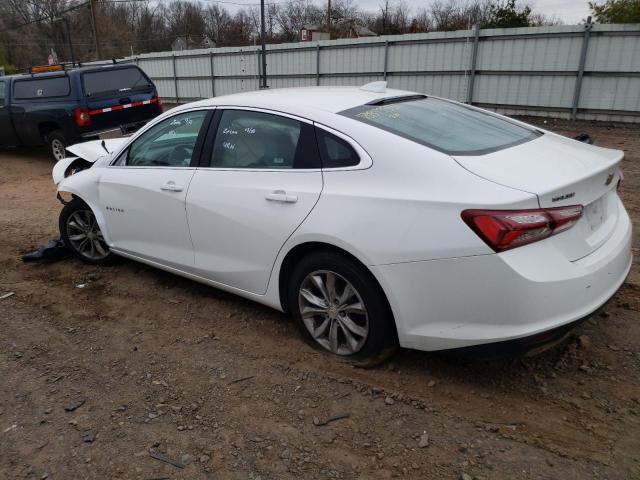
70 72
302 101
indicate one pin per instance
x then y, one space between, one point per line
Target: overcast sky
569 11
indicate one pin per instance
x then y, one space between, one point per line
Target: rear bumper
117 130
460 302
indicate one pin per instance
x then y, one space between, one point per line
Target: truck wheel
57 145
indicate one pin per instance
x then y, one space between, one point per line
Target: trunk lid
560 171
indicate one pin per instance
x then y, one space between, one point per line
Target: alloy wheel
85 236
58 149
333 312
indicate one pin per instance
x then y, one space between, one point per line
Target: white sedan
375 217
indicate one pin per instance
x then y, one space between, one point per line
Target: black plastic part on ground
52 251
584 138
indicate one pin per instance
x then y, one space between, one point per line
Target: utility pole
329 18
264 47
94 27
66 22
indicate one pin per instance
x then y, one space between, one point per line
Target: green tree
616 11
507 15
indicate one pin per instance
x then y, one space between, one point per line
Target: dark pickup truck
60 108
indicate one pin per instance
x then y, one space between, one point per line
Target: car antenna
104 146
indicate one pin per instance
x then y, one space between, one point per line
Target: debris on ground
6 295
74 404
53 250
163 458
321 422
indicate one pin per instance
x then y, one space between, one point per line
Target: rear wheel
57 145
81 234
340 308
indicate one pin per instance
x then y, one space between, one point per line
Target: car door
259 178
143 192
7 133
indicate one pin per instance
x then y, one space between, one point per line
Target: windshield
443 125
120 80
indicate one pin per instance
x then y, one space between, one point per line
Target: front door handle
281 196
171 187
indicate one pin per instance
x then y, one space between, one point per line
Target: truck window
41 88
2 93
118 81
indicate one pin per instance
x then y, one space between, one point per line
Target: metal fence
586 71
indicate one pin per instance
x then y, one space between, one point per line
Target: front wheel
340 308
81 234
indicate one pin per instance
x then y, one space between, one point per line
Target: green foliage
507 15
616 11
8 67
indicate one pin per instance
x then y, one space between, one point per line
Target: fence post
175 78
386 58
317 64
474 59
583 58
213 80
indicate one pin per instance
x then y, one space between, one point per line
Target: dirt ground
225 388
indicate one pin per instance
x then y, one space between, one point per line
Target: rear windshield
41 88
117 81
443 125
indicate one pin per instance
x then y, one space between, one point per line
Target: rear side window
335 152
2 94
118 81
444 126
247 139
41 88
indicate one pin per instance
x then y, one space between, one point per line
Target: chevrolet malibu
375 217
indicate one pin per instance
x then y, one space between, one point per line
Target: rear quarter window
334 151
444 125
41 88
116 81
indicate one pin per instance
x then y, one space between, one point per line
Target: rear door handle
171 187
281 196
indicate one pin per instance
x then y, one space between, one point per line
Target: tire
57 145
82 236
373 338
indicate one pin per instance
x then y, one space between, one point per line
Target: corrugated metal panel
350 60
616 53
530 90
537 54
159 67
194 88
448 86
611 93
291 62
429 56
435 63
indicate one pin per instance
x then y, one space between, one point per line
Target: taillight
160 107
505 229
83 119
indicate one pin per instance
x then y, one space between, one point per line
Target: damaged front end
86 155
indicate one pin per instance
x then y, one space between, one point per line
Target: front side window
2 95
248 139
170 143
41 88
443 125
